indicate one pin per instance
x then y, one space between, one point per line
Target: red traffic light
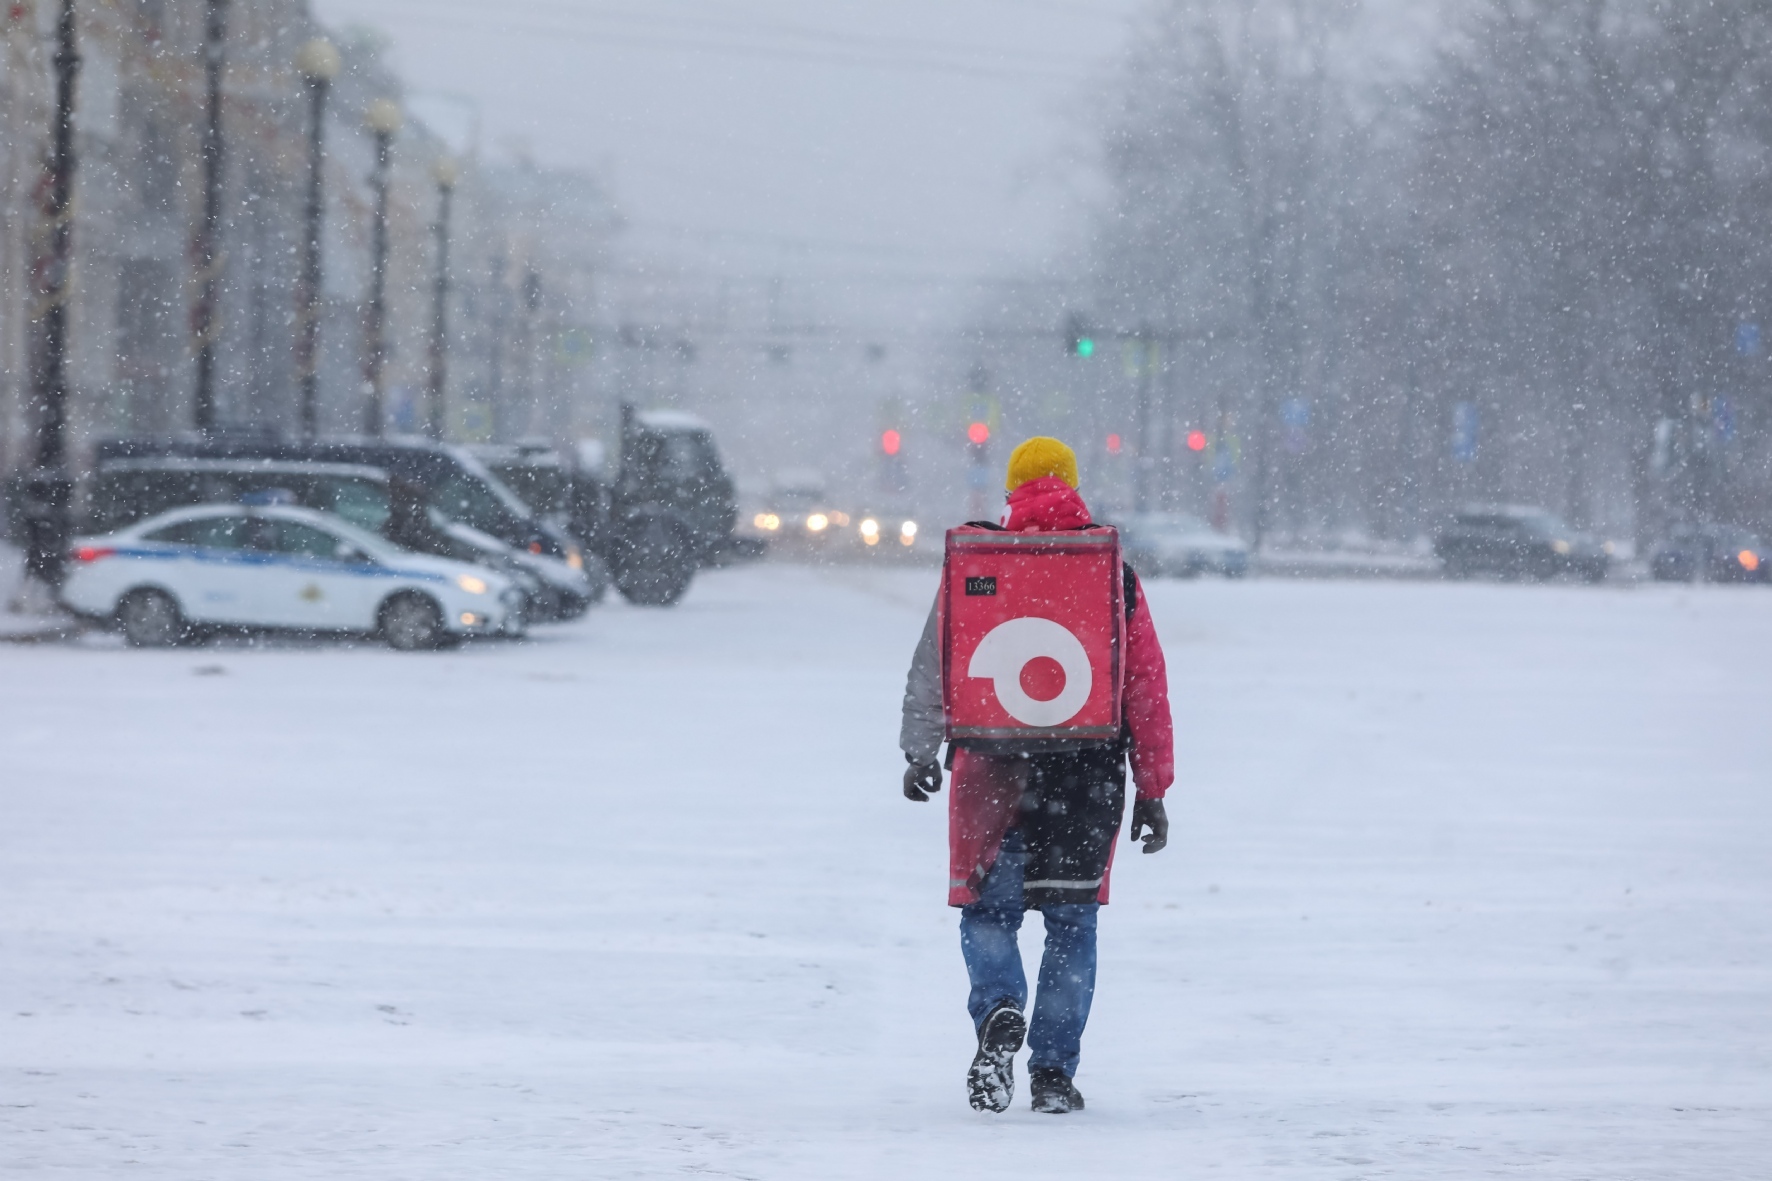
1196 440
889 442
1113 444
979 433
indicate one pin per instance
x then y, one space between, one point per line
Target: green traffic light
1085 347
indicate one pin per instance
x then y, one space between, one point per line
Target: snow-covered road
1466 881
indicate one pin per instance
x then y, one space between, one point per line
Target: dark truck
666 511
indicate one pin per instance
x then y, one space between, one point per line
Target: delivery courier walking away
1041 670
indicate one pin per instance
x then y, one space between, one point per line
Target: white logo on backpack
1006 650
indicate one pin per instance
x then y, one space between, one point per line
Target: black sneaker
990 1084
1054 1093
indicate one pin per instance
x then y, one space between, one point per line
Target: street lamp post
48 490
205 252
383 118
446 173
318 62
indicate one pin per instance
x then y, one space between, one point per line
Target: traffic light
1079 339
890 441
978 434
1113 444
1196 440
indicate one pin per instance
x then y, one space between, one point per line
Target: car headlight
870 531
817 523
907 533
1748 559
575 557
1560 546
474 586
768 522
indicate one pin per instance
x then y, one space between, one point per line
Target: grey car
1182 546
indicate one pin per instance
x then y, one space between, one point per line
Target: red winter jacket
984 794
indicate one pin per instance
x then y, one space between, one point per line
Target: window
206 532
362 503
541 487
1544 525
684 457
472 503
292 537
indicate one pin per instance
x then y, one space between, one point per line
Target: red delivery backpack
1032 632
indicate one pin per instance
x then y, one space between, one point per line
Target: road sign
1295 415
1722 416
1464 431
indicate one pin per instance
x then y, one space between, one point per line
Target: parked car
178 574
457 484
1182 546
1517 542
126 490
1711 552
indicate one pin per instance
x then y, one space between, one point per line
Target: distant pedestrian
1033 828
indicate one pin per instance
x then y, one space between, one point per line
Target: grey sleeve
921 733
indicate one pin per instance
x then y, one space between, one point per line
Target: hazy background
896 152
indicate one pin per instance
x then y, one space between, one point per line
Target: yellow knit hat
1041 456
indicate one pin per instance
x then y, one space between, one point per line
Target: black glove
920 778
1147 814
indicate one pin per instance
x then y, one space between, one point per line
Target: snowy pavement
1466 881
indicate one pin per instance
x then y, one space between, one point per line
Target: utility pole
384 120
205 252
48 490
1145 346
526 400
446 173
495 362
317 61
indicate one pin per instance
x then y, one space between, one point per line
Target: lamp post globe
384 116
318 60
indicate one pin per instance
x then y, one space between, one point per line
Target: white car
227 566
1180 545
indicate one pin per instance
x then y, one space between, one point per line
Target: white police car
163 579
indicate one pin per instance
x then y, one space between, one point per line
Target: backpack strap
1131 578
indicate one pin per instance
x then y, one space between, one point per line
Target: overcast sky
926 138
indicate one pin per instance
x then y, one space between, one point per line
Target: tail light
90 553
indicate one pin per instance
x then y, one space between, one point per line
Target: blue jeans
993 960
